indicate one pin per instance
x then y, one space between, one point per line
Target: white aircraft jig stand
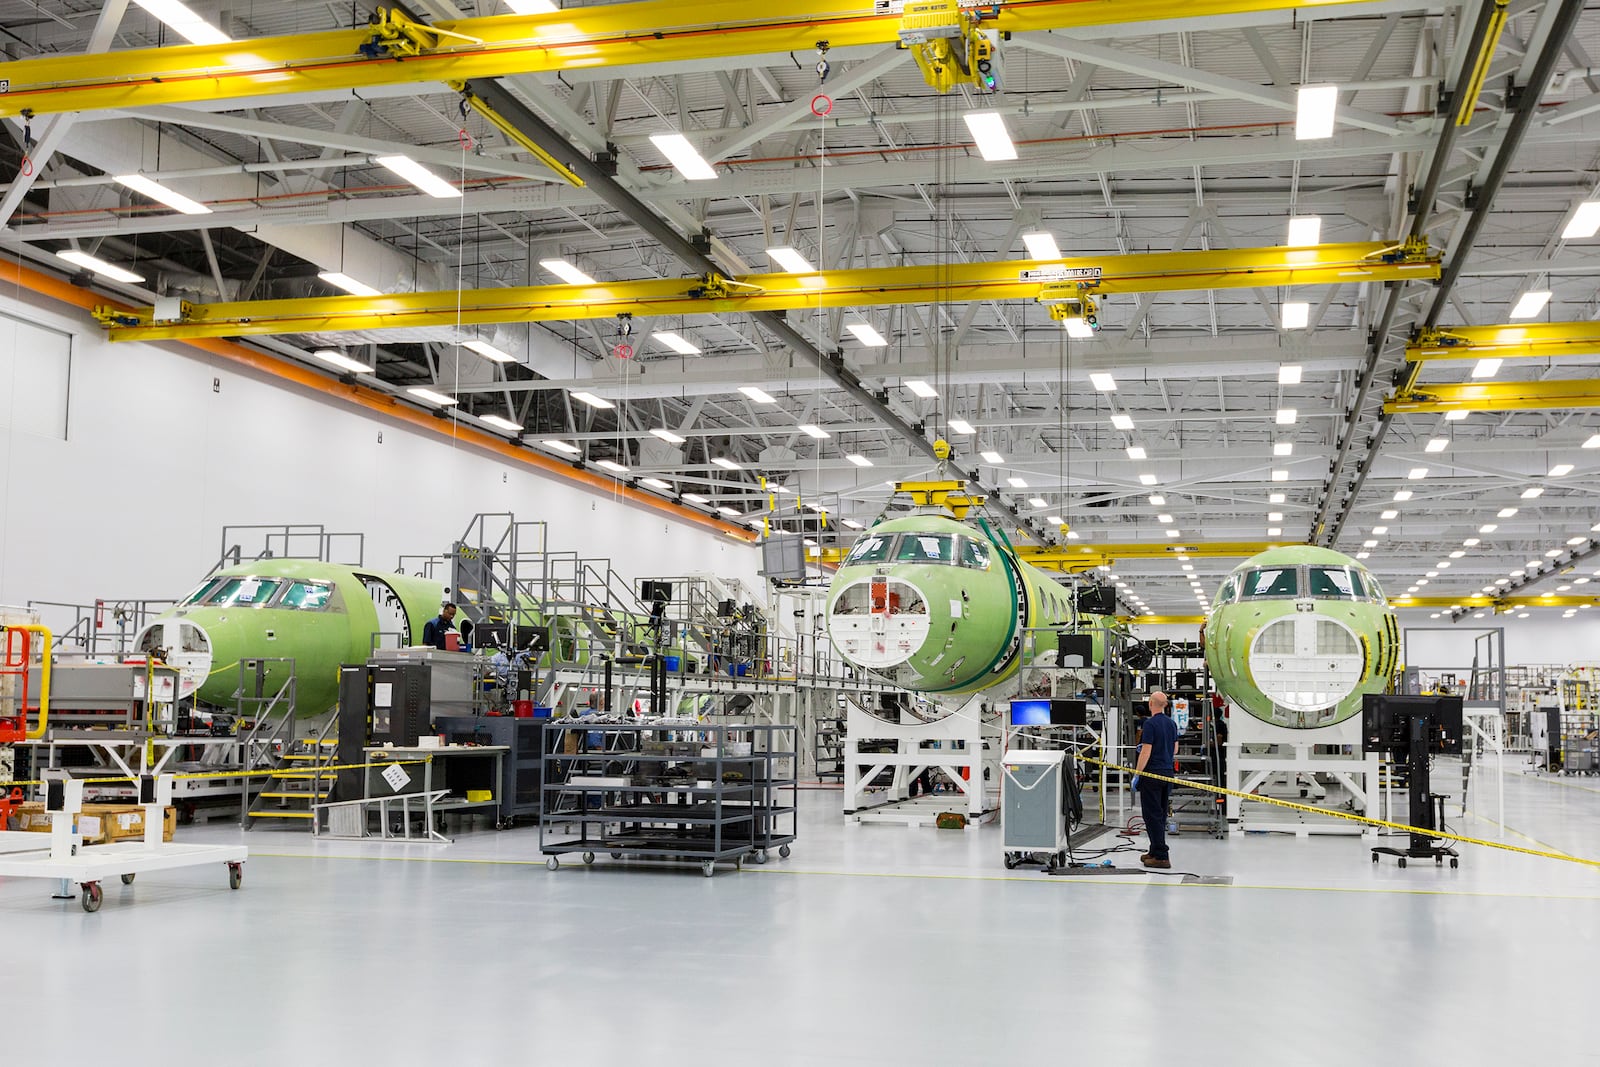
68 860
961 756
1297 760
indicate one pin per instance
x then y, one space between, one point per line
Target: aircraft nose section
879 622
1306 663
180 643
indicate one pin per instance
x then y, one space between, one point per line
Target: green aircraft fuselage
1298 635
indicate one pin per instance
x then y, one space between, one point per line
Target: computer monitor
1097 600
1074 650
1386 722
537 638
1030 713
1187 680
1069 712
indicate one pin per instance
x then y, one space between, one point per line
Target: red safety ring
27 166
624 351
821 105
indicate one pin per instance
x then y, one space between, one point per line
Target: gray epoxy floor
870 945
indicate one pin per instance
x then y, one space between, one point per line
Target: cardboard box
124 822
33 818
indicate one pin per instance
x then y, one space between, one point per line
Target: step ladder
299 780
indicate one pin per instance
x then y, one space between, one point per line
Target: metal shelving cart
690 792
828 748
776 788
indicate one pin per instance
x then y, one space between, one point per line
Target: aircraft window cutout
926 548
1374 590
200 594
1225 595
1332 583
306 596
974 554
1271 582
873 548
244 593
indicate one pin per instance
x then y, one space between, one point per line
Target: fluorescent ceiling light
1286 416
1054 520
811 430
853 524
868 334
726 510
1017 483
1369 544
611 465
189 25
1276 498
859 460
961 426
1390 513
989 133
489 351
1103 382
1585 222
1274 516
1314 110
1280 475
339 279
432 397
532 7
593 401
1560 470
790 260
682 155
1458 553
1038 502
1165 520
1362 555
1136 452
418 175
1296 314
757 394
1305 230
1593 442
1077 327
668 436
1576 540
562 446
1417 473
676 343
695 498
1554 553
1283 448
1438 444
921 388
1455 416
501 422
1175 533
726 464
1289 374
1148 479
656 483
1531 304
1488 528
342 361
992 457
1122 422
1505 513
177 201
1532 491
99 266
1402 495
566 272
1041 246
1485 368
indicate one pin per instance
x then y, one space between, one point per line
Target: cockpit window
873 548
306 596
1331 583
1225 594
1374 590
974 554
243 593
1270 582
926 548
200 594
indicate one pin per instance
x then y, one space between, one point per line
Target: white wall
156 461
1543 637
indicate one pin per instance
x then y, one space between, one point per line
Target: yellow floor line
1559 782
1514 830
1105 880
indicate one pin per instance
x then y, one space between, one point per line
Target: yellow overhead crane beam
1432 399
395 50
876 286
1074 557
1534 340
1479 601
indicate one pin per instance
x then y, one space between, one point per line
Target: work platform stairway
299 780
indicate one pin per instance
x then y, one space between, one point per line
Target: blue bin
673 663
540 712
739 670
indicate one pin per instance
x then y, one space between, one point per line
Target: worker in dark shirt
1158 754
435 629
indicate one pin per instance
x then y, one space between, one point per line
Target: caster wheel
783 850
1438 861
708 868
235 875
1374 859
127 879
738 863
761 857
91 896
588 857
1454 862
1402 863
1011 862
553 864
616 855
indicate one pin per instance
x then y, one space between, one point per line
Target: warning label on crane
1061 274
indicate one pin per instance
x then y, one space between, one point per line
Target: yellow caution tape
313 769
1347 815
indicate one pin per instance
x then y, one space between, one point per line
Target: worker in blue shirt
435 629
1158 754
